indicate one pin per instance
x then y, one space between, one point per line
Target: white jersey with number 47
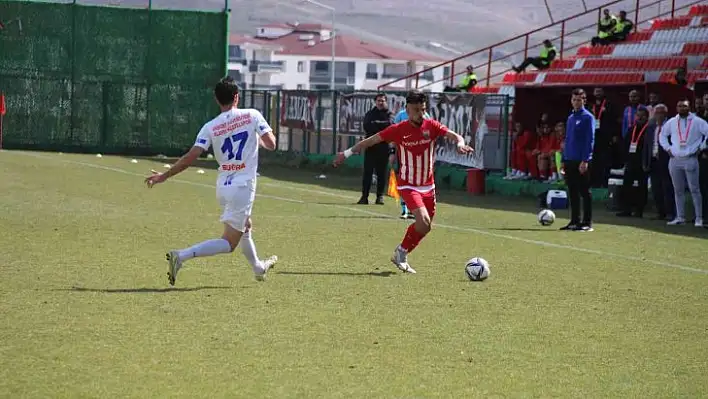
234 135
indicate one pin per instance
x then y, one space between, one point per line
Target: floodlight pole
331 38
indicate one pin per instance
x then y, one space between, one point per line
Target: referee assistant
376 157
579 141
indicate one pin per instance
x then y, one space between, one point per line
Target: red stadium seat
637 64
671 23
639 36
695 49
563 64
697 10
595 51
490 89
594 78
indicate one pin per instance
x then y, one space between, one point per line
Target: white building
298 56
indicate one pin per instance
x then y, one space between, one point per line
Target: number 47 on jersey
237 141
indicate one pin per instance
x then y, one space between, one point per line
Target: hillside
462 25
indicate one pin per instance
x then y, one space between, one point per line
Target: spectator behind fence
684 137
619 33
376 157
579 135
543 61
607 135
661 187
468 82
519 141
606 24
637 158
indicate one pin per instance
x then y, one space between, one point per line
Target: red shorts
415 199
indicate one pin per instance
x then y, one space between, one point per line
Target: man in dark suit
607 135
376 157
638 150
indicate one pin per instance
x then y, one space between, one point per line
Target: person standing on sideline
607 137
579 141
636 168
630 112
661 187
688 134
376 157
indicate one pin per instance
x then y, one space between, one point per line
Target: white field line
389 217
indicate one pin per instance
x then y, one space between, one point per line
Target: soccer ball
477 269
546 217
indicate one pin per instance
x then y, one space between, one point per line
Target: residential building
299 56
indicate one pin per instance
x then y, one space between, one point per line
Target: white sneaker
400 259
175 263
699 222
260 272
676 221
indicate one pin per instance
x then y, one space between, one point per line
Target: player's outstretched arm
357 148
179 166
462 148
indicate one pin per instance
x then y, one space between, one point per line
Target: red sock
411 239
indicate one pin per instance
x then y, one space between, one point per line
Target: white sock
248 247
206 248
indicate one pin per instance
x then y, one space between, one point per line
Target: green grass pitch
86 310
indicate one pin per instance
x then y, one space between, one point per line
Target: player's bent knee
232 235
423 224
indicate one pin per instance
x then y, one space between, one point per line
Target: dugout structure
108 79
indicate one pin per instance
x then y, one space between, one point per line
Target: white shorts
236 203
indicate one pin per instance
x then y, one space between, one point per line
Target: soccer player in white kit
235 136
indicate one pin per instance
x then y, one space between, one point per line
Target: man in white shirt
235 135
683 137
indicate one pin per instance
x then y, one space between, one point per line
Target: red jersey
547 144
415 147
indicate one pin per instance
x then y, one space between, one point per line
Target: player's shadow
144 290
373 274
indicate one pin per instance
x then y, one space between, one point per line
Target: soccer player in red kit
414 141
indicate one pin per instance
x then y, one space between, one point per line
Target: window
446 72
321 66
300 87
372 71
235 53
394 70
427 75
301 66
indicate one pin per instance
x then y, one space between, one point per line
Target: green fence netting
108 79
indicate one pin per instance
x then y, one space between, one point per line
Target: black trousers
375 160
535 61
578 188
601 162
613 38
703 177
662 188
634 199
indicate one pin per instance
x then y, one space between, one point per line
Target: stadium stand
649 55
